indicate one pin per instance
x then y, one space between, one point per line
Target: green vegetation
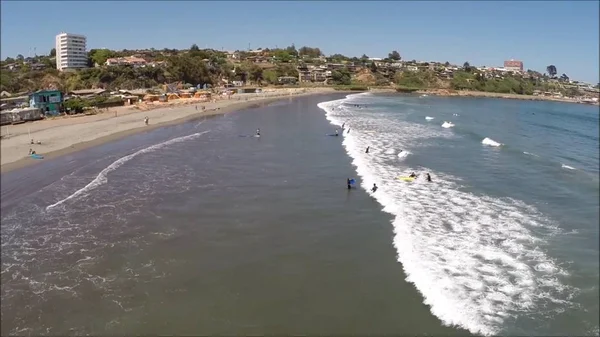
197 66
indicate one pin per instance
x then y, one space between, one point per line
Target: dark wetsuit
348 182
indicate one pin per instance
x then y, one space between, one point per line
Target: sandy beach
67 134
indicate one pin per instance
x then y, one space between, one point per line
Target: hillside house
49 101
126 61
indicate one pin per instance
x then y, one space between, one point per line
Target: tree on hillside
373 67
447 64
9 60
341 76
394 55
466 66
292 50
256 73
194 47
564 78
551 69
363 59
337 58
20 57
99 56
310 52
52 52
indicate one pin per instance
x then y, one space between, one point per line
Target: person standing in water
343 125
374 189
348 182
258 132
336 132
367 150
428 177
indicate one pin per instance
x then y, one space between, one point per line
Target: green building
49 101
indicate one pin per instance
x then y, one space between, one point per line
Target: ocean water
504 240
203 229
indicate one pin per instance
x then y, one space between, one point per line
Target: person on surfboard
412 175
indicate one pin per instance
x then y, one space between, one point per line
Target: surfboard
331 134
405 178
36 156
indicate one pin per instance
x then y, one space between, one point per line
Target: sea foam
472 257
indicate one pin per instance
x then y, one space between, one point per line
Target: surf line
101 178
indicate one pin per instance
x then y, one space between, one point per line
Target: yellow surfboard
405 178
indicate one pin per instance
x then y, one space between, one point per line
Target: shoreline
93 130
484 94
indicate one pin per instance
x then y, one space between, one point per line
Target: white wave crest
490 142
567 167
429 118
101 178
447 125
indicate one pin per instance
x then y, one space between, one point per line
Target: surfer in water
374 189
349 184
412 175
336 133
258 132
428 177
367 150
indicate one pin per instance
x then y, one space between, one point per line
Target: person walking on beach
146 120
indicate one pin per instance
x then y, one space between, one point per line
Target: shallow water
192 229
505 238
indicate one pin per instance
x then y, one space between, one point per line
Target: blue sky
483 33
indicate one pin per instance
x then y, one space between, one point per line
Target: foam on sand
102 177
478 261
490 142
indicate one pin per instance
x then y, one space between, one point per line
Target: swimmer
374 189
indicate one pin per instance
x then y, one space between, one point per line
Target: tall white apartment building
70 51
